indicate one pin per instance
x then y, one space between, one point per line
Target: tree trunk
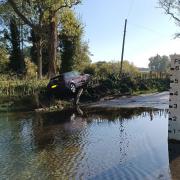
52 47
17 63
39 58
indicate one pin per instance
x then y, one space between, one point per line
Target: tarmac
154 100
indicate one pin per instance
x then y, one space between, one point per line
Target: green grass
136 93
19 87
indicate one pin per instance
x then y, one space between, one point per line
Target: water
120 144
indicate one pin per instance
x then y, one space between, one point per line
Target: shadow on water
80 144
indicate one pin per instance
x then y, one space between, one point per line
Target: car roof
55 77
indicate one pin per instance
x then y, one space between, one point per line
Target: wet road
155 100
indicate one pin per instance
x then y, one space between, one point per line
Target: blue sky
149 30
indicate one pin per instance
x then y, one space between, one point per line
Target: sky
149 30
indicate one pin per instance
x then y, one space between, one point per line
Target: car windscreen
57 78
71 74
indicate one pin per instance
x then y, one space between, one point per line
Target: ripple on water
124 144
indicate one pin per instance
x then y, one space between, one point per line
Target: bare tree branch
167 5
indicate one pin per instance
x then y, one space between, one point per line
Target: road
155 100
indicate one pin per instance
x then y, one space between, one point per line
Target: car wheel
73 88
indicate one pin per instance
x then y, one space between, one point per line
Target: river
125 143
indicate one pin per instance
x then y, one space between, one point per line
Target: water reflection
174 159
126 143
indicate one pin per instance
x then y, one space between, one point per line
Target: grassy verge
145 92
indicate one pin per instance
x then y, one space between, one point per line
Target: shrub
90 69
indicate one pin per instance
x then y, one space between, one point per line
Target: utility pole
122 54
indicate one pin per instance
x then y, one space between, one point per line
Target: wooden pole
122 54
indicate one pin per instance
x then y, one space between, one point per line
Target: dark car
69 81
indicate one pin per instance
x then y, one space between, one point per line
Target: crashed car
68 82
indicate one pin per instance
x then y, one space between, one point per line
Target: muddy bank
38 103
32 103
27 103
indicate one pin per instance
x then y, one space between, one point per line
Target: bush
90 69
125 88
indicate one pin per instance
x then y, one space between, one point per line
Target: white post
174 99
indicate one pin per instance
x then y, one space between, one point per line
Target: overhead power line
148 29
130 8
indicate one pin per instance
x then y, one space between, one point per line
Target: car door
61 84
76 78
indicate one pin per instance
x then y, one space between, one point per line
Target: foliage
81 56
125 86
130 68
90 69
159 63
38 23
41 17
105 69
74 52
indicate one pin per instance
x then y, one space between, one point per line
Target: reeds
21 87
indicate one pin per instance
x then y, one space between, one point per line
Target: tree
74 51
159 63
172 8
104 69
34 13
17 63
129 68
82 56
6 14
